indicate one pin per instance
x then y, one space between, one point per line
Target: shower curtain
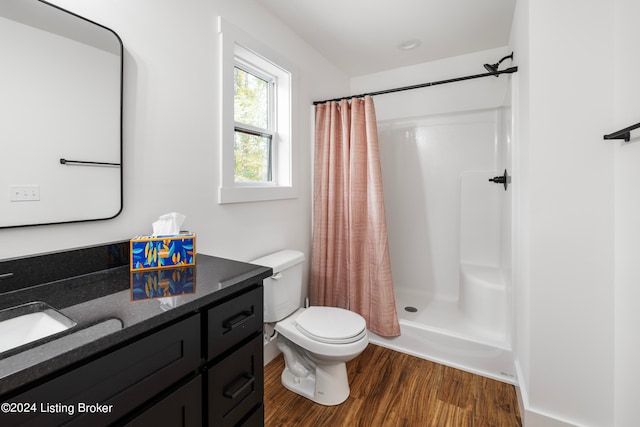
350 266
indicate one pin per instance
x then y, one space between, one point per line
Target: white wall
565 214
171 144
626 111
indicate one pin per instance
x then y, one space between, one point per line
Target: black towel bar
82 162
623 133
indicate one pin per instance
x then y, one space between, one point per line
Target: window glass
253 157
251 105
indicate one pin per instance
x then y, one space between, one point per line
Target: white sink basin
30 322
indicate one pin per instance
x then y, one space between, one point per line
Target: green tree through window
253 133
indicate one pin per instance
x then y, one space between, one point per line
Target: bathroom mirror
60 116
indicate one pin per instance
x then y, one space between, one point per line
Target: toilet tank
283 290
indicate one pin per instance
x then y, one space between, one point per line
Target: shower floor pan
439 331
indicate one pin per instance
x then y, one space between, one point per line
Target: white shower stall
449 226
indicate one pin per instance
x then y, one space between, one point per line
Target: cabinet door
182 408
116 383
233 321
236 385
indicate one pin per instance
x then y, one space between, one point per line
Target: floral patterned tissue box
152 252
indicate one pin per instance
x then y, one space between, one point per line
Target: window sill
254 194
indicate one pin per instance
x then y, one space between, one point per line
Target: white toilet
316 341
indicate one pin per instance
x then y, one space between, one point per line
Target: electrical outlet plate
24 193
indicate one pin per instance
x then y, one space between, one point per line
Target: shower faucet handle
505 179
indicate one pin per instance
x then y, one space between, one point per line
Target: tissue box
151 284
152 252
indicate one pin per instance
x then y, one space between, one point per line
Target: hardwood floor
391 389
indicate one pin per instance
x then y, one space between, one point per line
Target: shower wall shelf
623 133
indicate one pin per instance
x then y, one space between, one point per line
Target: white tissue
168 224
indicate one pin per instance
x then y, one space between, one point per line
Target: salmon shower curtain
350 266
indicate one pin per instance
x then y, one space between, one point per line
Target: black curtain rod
441 82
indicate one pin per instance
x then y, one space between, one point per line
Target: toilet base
329 386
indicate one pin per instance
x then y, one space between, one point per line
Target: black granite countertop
111 307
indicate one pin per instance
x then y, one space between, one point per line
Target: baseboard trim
271 351
531 417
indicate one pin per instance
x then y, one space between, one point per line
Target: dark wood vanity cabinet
235 376
106 389
206 369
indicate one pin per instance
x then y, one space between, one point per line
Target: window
254 133
256 108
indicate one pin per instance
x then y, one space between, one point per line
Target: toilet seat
331 325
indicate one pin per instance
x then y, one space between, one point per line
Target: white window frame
239 49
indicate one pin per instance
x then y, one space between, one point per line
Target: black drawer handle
238 320
245 380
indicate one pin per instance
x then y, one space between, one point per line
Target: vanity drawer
236 385
256 419
233 321
119 381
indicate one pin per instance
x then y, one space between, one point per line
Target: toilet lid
331 325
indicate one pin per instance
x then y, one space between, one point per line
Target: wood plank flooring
392 389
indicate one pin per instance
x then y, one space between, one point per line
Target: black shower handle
505 179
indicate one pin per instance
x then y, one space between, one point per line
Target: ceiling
361 36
